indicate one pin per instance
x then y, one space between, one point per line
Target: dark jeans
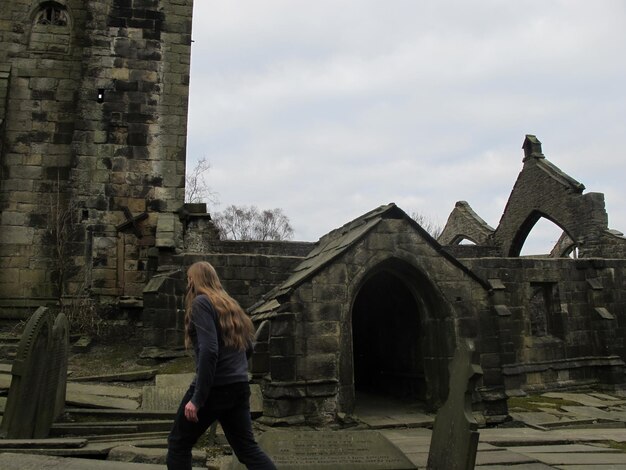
230 405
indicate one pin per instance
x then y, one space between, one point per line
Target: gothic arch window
52 14
51 29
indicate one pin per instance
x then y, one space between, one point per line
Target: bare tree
235 222
248 223
196 187
61 231
433 228
272 225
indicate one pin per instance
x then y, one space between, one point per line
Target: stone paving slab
174 380
590 411
41 443
137 375
391 421
103 390
129 453
5 381
609 398
573 448
582 398
524 466
539 418
594 467
12 461
595 458
98 401
527 436
503 457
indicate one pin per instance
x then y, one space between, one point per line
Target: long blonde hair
237 330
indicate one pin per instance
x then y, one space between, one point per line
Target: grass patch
104 359
617 445
537 402
180 365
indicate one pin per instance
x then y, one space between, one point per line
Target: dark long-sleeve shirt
215 364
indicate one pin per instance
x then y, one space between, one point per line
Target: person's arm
203 318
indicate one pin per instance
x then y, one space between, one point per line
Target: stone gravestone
347 450
455 437
41 359
59 356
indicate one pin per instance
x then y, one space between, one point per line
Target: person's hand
191 412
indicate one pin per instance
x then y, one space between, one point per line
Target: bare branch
248 223
196 186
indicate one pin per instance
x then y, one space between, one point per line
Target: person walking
221 335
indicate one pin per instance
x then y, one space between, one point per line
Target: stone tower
93 121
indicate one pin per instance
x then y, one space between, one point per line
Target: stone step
110 427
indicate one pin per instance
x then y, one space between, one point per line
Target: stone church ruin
93 111
378 305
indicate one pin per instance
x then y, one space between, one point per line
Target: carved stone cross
131 222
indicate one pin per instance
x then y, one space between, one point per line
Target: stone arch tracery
52 13
51 28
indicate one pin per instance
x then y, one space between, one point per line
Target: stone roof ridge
559 175
468 212
362 219
325 251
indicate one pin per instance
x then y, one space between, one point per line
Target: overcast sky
330 108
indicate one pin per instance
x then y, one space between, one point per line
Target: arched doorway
386 337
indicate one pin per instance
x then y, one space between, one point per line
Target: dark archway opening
387 351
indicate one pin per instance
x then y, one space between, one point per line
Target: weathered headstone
58 369
455 437
29 376
52 397
37 393
348 450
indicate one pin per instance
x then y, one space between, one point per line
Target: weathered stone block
317 367
282 368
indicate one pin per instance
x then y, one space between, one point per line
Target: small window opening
52 15
545 310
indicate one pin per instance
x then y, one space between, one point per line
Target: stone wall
94 137
246 277
42 101
559 322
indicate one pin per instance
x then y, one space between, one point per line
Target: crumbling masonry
93 109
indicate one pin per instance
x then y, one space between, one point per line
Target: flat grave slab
167 392
162 398
348 450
